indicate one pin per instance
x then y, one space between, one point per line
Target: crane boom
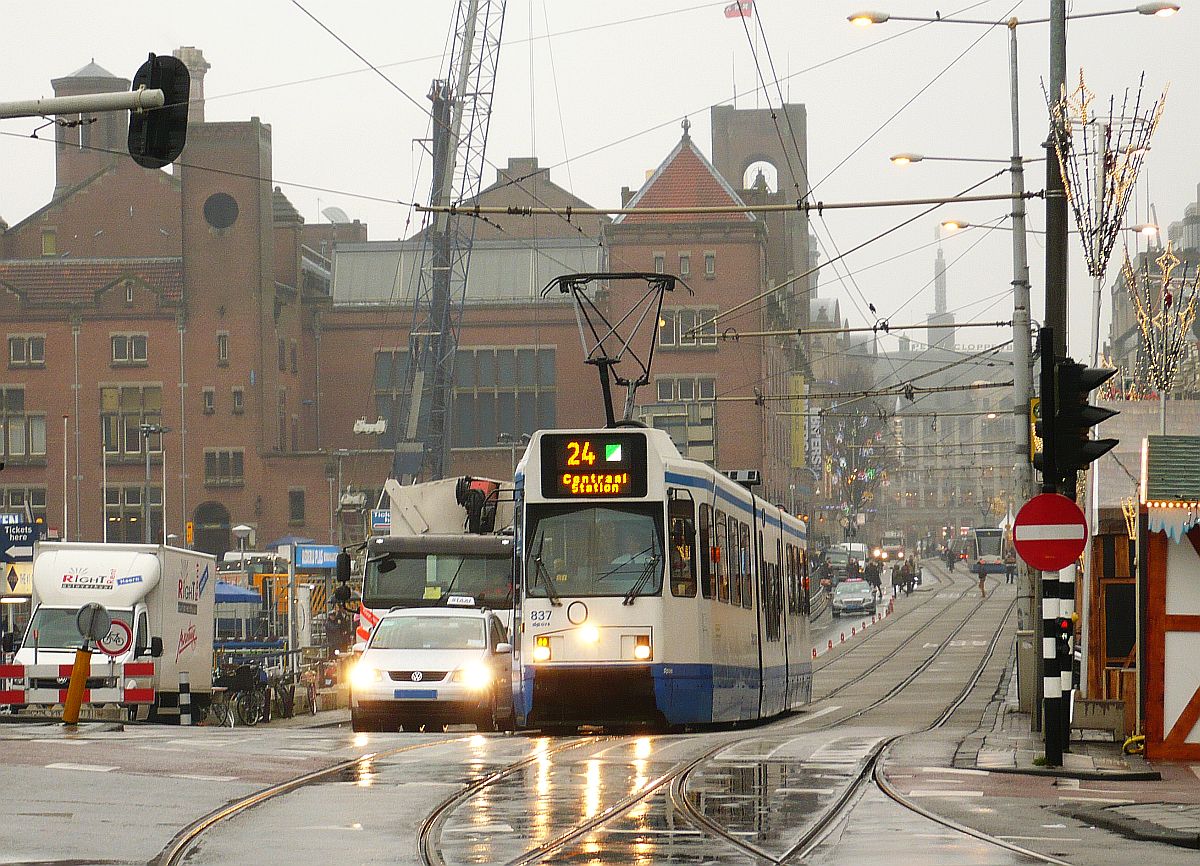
461 112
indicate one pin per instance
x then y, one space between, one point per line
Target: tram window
735 563
683 562
724 557
747 580
706 548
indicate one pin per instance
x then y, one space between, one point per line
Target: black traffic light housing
1064 630
157 136
1073 448
1065 419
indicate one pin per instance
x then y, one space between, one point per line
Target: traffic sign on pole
1050 532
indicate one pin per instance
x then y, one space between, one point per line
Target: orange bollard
75 690
843 637
814 652
831 643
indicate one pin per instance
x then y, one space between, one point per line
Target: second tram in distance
655 590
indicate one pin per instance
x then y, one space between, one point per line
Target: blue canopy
228 592
288 540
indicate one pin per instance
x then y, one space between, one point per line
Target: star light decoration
1100 157
1165 308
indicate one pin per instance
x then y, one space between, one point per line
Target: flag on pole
740 9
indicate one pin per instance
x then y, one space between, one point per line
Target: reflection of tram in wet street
655 589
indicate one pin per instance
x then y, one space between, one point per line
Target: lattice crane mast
461 112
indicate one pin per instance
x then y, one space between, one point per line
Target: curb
1082 775
1132 828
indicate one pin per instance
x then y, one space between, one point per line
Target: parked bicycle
241 694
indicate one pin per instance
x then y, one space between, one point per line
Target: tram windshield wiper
547 580
643 579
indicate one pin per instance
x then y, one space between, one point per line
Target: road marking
823 791
959 770
808 717
63 741
86 768
199 778
1041 838
934 793
483 828
1095 800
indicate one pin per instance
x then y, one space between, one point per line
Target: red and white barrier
121 693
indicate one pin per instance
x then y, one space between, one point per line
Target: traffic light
157 136
1073 448
1064 630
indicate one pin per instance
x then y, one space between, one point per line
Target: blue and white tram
655 590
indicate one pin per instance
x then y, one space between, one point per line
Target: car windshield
594 550
54 627
851 587
429 632
422 579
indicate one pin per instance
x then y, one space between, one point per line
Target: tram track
675 778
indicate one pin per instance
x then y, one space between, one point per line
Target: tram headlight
363 675
641 648
475 676
878 553
541 649
589 634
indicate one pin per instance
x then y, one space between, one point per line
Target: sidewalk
1163 807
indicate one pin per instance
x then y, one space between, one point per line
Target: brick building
200 302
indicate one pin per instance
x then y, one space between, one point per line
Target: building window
666 390
292 356
295 506
129 293
223 349
27 351
123 410
49 242
224 467
686 389
295 433
508 390
22 434
281 417
660 262
239 401
710 264
282 355
128 349
29 502
688 327
685 264
210 400
126 511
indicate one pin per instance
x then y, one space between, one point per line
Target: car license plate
415 694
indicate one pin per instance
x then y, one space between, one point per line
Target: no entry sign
1050 532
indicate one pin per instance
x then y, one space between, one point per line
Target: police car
434 666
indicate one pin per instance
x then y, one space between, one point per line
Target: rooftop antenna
610 342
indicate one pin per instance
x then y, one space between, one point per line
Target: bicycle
242 694
308 679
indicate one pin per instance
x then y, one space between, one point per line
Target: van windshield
54 627
423 579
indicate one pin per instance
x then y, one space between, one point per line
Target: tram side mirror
503 648
9 642
156 647
343 566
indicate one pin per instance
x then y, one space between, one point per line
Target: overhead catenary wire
882 326
887 392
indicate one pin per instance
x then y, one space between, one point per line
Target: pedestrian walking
897 579
982 587
1010 567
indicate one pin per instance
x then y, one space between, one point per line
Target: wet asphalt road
118 797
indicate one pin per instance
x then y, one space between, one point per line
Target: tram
655 590
985 550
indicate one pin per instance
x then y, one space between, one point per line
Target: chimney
193 59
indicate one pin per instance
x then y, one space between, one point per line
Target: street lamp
148 430
513 442
241 532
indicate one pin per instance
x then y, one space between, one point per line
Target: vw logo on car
417 676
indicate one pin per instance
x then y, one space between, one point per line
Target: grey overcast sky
599 92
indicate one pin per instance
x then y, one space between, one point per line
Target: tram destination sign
593 465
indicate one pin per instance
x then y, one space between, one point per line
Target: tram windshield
594 550
422 579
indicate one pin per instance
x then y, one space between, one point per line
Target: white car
431 667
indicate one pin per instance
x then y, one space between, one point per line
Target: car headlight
475 676
363 675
